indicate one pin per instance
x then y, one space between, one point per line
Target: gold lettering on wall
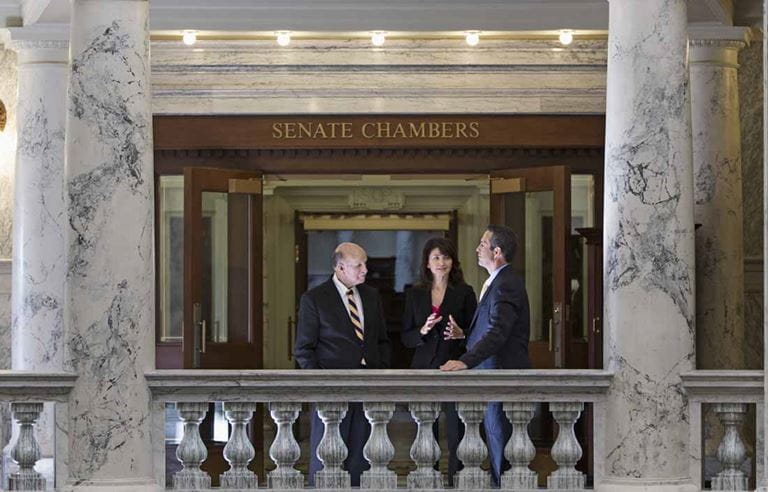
449 130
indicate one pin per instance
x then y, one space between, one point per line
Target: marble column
720 336
109 305
649 247
39 272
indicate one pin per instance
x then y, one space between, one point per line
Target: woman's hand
452 330
432 320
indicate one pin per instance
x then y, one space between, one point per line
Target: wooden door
222 269
536 204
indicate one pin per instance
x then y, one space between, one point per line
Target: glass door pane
223 243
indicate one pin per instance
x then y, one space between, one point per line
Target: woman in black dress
436 312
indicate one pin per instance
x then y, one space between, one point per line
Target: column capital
717 44
47 43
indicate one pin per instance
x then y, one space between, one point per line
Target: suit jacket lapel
339 307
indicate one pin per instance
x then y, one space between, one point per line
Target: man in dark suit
341 326
498 336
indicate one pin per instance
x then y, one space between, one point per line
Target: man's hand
453 365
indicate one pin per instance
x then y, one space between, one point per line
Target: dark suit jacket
432 350
325 336
501 326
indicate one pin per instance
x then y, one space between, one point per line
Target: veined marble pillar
39 272
720 336
649 247
109 307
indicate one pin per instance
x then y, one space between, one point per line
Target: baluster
425 451
332 451
519 449
26 452
379 450
472 450
566 451
191 451
239 451
285 450
731 452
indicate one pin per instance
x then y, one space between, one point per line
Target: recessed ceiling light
472 38
566 36
378 38
283 38
189 37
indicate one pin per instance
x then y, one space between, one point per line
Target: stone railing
26 392
566 391
729 393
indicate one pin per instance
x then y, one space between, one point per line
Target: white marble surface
648 236
39 245
325 76
720 336
7 148
109 307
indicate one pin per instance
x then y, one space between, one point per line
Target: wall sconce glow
566 37
189 37
472 38
378 38
283 38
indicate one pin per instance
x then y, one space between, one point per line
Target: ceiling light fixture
566 36
472 38
378 38
189 37
283 38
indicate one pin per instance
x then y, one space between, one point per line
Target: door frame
232 142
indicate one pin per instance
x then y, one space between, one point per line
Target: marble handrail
370 385
729 391
20 386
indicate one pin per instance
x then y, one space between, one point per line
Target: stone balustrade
27 391
730 393
421 392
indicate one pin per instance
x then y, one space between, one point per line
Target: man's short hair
504 238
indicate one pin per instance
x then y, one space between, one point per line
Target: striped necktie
354 314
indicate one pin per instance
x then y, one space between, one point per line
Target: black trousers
355 430
454 430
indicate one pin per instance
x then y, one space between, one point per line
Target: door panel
222 269
535 203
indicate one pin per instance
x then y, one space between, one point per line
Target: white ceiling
350 16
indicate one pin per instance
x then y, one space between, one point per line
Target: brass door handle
203 333
595 329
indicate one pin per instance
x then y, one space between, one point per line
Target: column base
285 479
378 480
650 485
137 485
519 480
473 479
239 480
425 479
30 480
338 479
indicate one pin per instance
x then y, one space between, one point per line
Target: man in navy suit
341 326
498 336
